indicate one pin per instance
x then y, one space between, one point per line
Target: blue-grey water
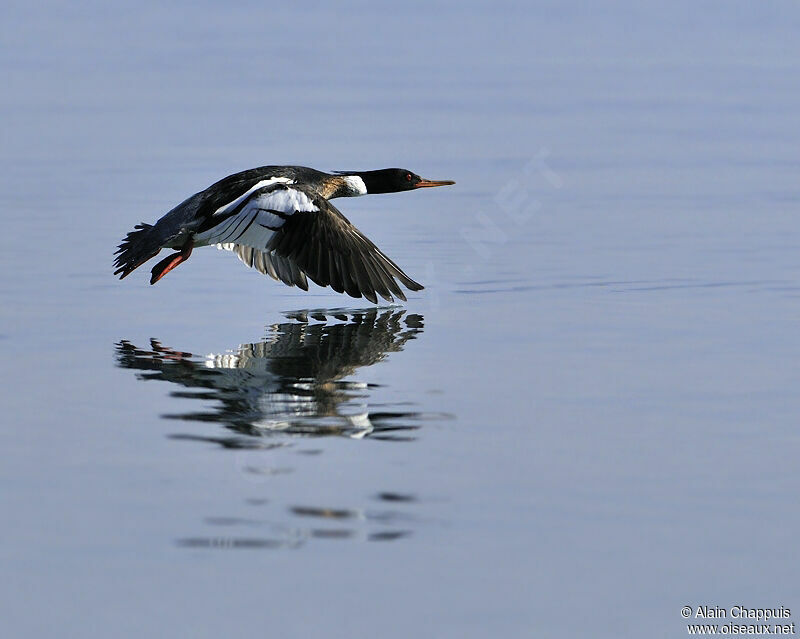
588 418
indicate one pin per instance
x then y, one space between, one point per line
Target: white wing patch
288 201
258 218
259 185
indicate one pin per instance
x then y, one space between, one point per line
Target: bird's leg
166 265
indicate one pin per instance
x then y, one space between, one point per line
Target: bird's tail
138 246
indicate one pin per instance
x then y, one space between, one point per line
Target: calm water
588 418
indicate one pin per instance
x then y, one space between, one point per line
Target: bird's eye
408 177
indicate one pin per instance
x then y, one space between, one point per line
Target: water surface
587 419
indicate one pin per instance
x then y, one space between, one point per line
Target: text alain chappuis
735 612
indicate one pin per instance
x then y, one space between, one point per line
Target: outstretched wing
289 232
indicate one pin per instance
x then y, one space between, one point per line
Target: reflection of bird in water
292 380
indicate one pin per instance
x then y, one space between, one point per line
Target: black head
395 180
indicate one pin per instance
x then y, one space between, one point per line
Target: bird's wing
290 232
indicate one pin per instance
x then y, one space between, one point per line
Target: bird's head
394 180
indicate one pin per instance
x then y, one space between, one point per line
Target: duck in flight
279 220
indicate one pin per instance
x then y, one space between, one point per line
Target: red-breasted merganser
278 220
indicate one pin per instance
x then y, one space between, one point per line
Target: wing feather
291 233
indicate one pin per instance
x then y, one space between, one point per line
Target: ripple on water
494 287
296 525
